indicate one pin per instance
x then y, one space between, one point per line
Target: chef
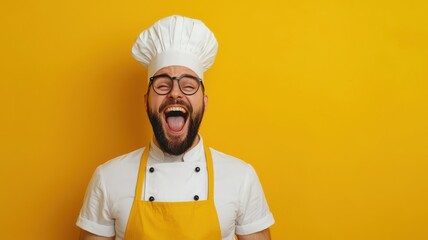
176 187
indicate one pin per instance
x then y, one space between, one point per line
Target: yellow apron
196 220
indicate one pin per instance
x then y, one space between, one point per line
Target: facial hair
175 146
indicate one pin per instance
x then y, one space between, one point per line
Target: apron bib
196 220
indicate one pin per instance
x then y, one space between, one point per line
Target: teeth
176 109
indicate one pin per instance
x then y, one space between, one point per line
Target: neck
195 142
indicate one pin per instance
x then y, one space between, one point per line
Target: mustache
169 102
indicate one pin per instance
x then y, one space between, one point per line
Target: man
176 187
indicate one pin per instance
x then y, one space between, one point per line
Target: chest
171 182
176 182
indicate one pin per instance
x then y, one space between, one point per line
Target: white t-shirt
238 196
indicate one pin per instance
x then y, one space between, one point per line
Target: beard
174 145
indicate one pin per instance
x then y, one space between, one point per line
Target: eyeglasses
162 84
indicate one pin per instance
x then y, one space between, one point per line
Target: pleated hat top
176 41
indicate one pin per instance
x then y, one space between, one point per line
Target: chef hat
176 40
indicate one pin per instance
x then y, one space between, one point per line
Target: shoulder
111 190
228 160
121 163
119 175
230 167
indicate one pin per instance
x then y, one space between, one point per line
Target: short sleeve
254 214
95 215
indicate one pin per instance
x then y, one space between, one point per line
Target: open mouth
176 118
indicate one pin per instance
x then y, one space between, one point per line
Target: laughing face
175 117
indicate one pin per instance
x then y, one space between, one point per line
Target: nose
175 91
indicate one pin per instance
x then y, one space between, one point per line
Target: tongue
175 123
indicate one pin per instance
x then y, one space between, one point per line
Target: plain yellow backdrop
328 100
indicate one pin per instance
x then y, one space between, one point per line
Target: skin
153 101
262 235
85 235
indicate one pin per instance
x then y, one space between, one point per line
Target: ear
206 100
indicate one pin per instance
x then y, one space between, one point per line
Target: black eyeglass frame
152 79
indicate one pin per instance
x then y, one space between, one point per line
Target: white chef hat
176 40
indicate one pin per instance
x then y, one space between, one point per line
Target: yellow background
328 100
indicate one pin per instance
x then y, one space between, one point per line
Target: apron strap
142 173
210 171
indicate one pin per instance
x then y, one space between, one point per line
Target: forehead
176 71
